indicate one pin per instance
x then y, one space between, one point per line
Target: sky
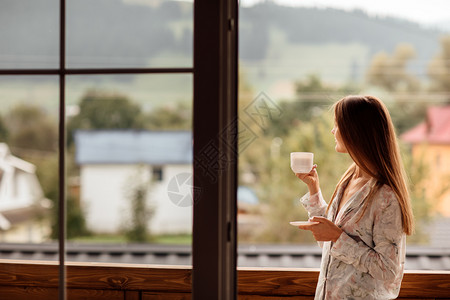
427 12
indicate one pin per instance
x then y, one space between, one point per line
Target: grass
181 239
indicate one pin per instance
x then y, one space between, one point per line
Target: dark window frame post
62 293
215 149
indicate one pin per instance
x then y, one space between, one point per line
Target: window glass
129 33
296 60
129 168
157 172
29 167
29 32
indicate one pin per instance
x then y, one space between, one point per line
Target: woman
364 227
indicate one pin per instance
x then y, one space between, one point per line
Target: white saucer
298 223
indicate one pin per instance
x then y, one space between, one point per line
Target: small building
430 142
23 207
114 162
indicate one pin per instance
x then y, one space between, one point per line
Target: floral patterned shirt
367 260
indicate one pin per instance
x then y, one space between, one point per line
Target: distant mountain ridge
321 26
103 28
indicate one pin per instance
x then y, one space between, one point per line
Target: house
113 162
430 142
22 202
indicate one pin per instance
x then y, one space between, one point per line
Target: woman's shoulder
386 196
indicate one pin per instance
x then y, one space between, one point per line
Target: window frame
215 73
214 253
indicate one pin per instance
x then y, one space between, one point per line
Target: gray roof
133 146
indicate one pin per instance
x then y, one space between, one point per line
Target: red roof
435 129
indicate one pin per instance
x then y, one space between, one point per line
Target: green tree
136 223
31 128
418 171
439 68
104 110
312 98
75 220
406 114
281 189
4 131
390 71
169 117
47 172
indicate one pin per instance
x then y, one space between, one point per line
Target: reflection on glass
129 33
29 32
295 63
28 167
130 168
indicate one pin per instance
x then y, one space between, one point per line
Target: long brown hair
368 134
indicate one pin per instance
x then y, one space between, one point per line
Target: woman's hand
324 231
311 179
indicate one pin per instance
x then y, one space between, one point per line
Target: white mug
302 162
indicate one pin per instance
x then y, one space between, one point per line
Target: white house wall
30 231
103 196
169 217
18 189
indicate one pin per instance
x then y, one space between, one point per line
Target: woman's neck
361 174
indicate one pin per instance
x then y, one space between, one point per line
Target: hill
277 44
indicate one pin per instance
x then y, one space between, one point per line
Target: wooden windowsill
138 280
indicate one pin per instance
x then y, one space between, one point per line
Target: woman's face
340 147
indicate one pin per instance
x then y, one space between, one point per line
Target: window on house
157 172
